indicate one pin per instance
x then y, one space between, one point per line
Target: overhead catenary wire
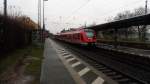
76 10
112 11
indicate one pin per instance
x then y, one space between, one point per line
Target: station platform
53 71
63 67
124 49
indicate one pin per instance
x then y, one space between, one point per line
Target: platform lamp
43 19
44 14
5 8
146 2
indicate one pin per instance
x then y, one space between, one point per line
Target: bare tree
141 29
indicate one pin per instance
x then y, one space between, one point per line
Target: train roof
72 30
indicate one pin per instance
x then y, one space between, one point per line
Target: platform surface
53 71
135 51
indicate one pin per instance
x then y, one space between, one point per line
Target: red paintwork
77 36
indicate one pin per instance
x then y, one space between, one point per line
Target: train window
78 36
75 36
89 33
81 37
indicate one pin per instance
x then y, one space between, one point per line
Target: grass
34 68
11 59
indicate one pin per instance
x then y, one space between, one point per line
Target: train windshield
89 33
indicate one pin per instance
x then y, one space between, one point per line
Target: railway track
121 67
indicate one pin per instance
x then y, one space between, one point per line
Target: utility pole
38 33
146 6
5 8
5 29
85 24
43 31
39 14
144 30
43 15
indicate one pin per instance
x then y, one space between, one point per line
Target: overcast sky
61 14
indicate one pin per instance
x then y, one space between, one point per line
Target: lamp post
44 14
144 30
43 30
5 8
39 14
146 6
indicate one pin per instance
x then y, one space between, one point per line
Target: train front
89 37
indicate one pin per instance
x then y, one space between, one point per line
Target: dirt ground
15 75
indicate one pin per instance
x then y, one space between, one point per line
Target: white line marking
84 71
76 64
66 56
70 59
132 53
64 53
141 54
99 80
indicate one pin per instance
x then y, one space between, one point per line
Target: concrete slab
134 51
53 71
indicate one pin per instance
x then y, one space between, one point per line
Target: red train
78 36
